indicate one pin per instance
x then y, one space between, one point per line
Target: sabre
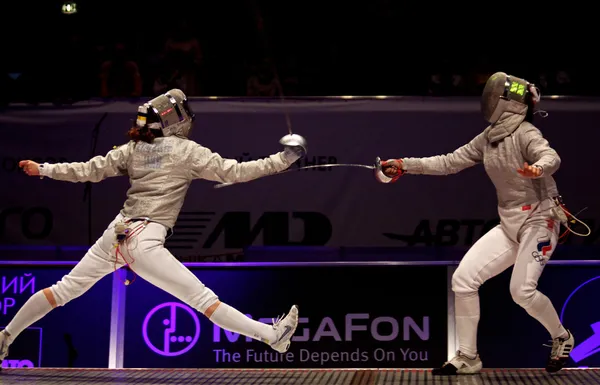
267 47
293 140
369 167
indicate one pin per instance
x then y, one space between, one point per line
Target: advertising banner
350 317
76 335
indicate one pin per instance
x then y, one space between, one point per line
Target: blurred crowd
245 48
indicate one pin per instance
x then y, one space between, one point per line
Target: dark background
380 47
510 338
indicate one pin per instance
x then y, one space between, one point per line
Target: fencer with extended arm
161 163
536 150
520 163
188 161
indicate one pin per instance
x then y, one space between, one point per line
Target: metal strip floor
43 376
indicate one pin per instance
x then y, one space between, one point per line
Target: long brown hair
144 134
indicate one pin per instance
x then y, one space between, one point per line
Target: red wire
118 252
126 263
569 218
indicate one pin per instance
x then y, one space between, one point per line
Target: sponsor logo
238 229
170 317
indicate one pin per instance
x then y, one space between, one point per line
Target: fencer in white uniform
520 163
161 162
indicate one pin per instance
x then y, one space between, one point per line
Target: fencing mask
168 113
501 90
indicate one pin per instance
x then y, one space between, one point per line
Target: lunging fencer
161 162
520 163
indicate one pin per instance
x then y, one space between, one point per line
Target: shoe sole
556 365
459 372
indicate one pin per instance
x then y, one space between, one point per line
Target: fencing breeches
491 255
147 257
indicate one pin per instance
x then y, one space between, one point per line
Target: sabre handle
382 167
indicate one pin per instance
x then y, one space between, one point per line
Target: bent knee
522 294
462 283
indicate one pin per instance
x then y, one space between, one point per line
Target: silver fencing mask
501 90
169 113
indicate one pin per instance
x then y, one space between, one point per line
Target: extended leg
158 266
92 267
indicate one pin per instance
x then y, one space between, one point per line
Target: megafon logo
579 301
163 324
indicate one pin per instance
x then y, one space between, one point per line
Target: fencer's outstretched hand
388 171
294 147
392 168
530 171
293 153
30 167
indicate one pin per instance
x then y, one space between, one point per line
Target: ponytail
145 135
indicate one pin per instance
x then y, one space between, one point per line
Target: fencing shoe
460 364
285 329
561 349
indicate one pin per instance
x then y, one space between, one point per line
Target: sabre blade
334 165
303 168
287 118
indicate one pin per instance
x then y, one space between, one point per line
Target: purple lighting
590 346
172 323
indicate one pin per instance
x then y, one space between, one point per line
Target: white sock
36 307
231 319
541 309
467 320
